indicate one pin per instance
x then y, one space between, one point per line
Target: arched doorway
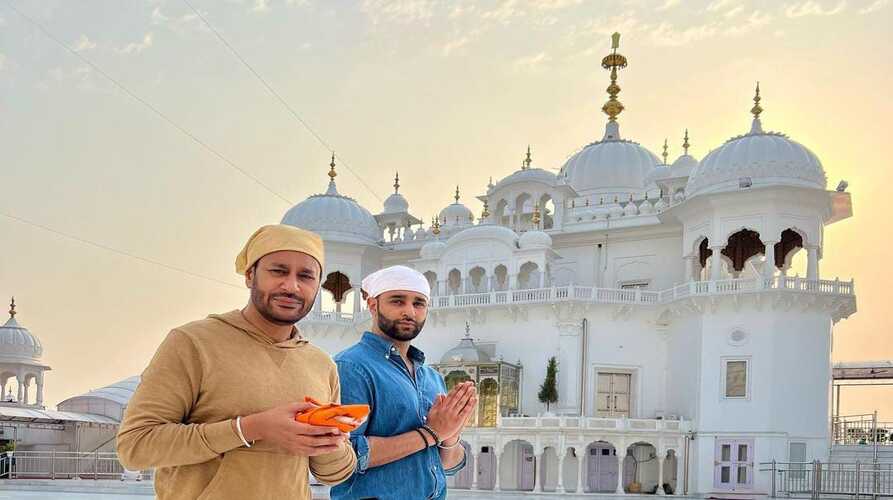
740 247
601 468
640 469
517 466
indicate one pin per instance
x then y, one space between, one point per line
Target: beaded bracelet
433 434
424 439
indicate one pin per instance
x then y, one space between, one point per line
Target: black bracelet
424 439
433 434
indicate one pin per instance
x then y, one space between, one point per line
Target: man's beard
392 329
264 304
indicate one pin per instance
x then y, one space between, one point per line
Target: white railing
593 423
617 296
63 465
861 430
817 479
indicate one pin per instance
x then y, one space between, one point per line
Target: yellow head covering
276 237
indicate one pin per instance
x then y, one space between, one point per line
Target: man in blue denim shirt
410 441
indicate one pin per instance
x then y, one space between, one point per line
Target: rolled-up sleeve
356 389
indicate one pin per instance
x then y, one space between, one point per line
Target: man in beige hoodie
214 411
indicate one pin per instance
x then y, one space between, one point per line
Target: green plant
549 389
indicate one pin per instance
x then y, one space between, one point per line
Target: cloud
811 8
717 5
668 4
137 47
399 11
158 17
530 63
504 13
83 44
668 36
756 20
452 45
733 12
261 6
561 4
877 5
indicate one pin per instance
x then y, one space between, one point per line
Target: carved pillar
581 460
716 263
812 263
569 369
560 487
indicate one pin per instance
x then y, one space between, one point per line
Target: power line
119 252
145 103
281 100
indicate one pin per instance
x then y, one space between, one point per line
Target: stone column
21 392
581 460
621 455
538 471
27 386
496 486
476 456
560 487
769 265
660 473
569 369
691 266
40 390
716 264
812 263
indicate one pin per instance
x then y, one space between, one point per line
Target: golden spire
486 212
664 154
613 62
457 194
686 145
756 109
436 225
12 308
527 160
490 184
536 215
396 182
332 173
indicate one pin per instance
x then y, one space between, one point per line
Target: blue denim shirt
372 372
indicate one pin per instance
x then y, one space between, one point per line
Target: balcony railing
861 430
817 479
594 423
63 465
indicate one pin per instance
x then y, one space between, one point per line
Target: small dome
456 214
16 342
683 166
759 158
335 217
630 209
432 250
465 352
646 208
615 210
395 204
534 239
527 175
491 232
609 166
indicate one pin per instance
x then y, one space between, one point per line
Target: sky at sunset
445 92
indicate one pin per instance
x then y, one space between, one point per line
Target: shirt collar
386 347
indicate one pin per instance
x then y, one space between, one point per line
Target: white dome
630 209
432 249
612 165
767 158
456 214
395 204
17 343
485 232
465 352
646 208
683 166
528 175
335 218
534 239
658 173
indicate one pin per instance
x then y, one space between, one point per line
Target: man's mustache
291 296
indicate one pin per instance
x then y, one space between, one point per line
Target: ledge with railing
643 297
65 465
616 424
817 479
861 430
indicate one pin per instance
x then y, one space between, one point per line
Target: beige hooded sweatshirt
181 420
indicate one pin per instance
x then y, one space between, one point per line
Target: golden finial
756 109
396 182
486 212
457 194
536 215
332 173
467 330
12 308
527 161
686 145
613 61
490 185
665 151
436 225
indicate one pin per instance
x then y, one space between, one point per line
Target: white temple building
663 290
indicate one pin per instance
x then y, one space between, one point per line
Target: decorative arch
791 242
547 211
741 246
338 284
431 276
477 280
454 281
500 277
528 275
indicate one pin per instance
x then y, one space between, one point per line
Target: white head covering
394 278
